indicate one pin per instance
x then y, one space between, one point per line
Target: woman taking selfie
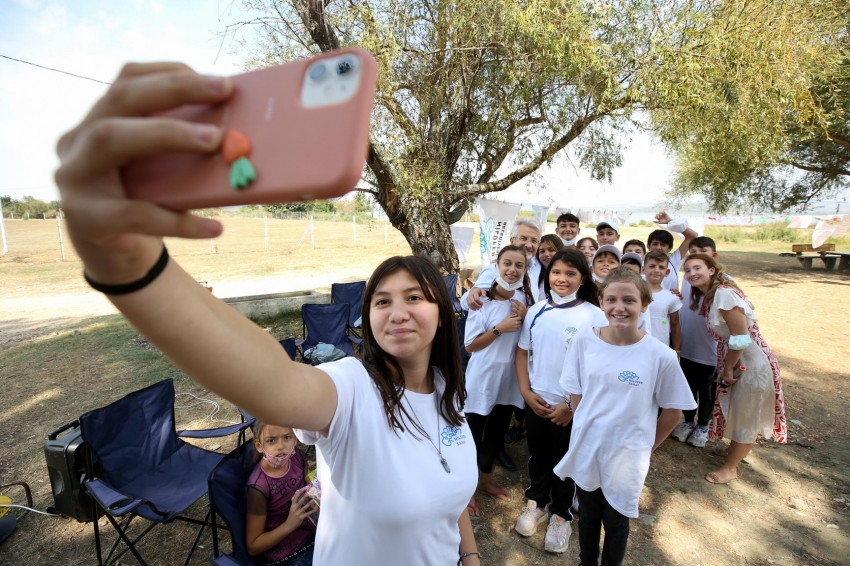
396 458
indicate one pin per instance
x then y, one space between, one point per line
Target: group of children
594 328
605 333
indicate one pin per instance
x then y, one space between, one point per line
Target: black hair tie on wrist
126 288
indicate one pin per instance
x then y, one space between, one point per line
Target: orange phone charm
235 148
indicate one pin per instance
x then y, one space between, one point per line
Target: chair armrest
214 432
108 498
356 340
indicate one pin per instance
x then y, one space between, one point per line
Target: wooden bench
843 258
806 258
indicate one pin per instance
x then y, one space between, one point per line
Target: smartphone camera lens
345 66
317 72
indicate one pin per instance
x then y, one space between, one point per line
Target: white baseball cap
610 223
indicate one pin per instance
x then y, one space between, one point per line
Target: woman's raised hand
119 239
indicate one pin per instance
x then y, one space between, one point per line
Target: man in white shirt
525 234
662 240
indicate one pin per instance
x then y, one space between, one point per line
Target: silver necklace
428 436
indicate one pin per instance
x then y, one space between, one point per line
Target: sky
94 38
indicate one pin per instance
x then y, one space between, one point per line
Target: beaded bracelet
464 555
126 288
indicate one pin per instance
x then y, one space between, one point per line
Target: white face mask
570 242
559 300
598 279
508 286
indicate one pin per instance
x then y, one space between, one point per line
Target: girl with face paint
278 524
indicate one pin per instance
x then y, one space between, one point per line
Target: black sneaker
514 433
505 461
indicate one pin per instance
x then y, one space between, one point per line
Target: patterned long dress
755 404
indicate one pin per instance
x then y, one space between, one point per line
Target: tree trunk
429 234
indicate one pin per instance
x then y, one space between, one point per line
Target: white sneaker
683 431
557 534
529 519
698 437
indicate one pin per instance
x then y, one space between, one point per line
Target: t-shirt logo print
630 377
571 333
452 434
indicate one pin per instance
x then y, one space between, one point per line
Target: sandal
712 477
497 494
474 512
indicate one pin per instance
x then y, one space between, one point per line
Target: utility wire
51 69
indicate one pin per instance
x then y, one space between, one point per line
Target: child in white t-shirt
492 391
618 378
665 306
547 333
662 240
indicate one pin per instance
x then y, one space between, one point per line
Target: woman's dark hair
557 243
526 286
445 349
575 259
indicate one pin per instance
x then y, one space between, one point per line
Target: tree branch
815 169
473 190
839 140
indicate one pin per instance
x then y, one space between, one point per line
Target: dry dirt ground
48 379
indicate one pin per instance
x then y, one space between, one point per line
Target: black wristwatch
496 331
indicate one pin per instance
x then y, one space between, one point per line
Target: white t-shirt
547 343
697 344
663 304
488 275
622 388
491 373
386 499
674 262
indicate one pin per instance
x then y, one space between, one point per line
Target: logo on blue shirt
630 377
452 434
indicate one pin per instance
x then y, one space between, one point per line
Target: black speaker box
65 453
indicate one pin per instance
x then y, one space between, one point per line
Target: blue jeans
303 557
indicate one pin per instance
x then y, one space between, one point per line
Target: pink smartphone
308 126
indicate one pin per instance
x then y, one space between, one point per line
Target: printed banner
834 225
800 222
496 222
541 214
462 239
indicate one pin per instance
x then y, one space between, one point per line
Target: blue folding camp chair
326 324
352 295
451 287
147 470
227 483
289 345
